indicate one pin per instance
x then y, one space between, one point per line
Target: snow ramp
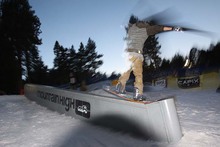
155 121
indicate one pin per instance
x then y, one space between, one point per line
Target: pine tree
93 58
177 62
215 55
165 64
61 64
37 72
88 60
56 51
72 60
81 59
151 52
20 29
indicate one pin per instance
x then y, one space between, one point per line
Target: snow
23 123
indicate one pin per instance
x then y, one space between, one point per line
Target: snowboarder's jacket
137 35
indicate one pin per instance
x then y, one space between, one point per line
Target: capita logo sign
82 108
190 82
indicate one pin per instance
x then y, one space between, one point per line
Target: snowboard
127 96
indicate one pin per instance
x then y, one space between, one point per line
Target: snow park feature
24 123
155 121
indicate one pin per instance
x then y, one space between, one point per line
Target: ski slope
23 123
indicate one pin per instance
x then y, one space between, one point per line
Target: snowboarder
137 34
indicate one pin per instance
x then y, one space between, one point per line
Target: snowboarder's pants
137 68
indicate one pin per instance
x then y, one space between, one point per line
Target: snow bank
24 123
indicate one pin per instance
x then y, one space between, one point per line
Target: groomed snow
23 123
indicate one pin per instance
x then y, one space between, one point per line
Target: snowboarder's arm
152 30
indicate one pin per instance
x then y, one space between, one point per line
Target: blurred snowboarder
137 34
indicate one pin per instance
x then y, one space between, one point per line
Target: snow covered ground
23 123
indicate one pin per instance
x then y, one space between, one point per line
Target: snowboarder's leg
138 84
120 87
138 73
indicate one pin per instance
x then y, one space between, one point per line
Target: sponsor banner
189 82
81 108
161 83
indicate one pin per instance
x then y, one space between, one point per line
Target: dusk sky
71 22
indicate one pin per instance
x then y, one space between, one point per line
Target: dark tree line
20 61
82 63
19 29
199 60
205 58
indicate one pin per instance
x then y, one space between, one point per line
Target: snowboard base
127 97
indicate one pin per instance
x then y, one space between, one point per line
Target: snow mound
25 123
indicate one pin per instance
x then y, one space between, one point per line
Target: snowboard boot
120 88
137 96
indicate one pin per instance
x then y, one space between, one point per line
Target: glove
178 29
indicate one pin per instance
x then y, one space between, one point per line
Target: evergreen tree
113 76
203 59
93 58
215 55
61 64
57 54
152 59
177 62
81 59
151 52
37 72
72 60
80 64
88 60
165 65
20 29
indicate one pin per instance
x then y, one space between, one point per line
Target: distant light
187 63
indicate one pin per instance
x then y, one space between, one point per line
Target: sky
71 22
